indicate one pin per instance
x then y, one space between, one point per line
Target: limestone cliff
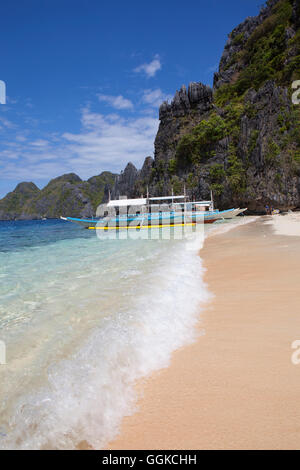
242 139
65 195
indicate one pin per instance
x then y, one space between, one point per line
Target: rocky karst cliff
65 195
241 138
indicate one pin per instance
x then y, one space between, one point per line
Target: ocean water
83 318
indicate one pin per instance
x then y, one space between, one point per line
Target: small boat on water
152 212
84 223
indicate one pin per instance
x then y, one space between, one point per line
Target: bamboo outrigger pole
147 198
212 199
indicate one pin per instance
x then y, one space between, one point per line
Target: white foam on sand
86 395
227 225
287 224
149 304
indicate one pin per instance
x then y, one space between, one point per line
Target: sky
85 78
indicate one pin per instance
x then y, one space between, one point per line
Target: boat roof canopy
127 202
202 203
164 198
139 201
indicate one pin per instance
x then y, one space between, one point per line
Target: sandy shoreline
236 387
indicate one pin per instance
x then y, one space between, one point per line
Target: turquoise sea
82 318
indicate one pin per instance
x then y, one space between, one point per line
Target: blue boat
153 212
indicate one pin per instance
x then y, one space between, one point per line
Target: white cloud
39 143
155 97
109 143
20 138
118 102
104 142
6 123
28 103
33 171
10 154
151 68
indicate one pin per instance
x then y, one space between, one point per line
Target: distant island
241 139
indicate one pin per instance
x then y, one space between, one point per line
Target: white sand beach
236 387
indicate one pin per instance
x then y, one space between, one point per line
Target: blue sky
85 78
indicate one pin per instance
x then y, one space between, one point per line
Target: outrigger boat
151 212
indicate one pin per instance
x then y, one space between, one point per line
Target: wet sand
236 387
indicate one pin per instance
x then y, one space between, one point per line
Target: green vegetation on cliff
15 200
268 54
241 139
197 146
65 195
247 145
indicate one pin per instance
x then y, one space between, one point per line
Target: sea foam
86 395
